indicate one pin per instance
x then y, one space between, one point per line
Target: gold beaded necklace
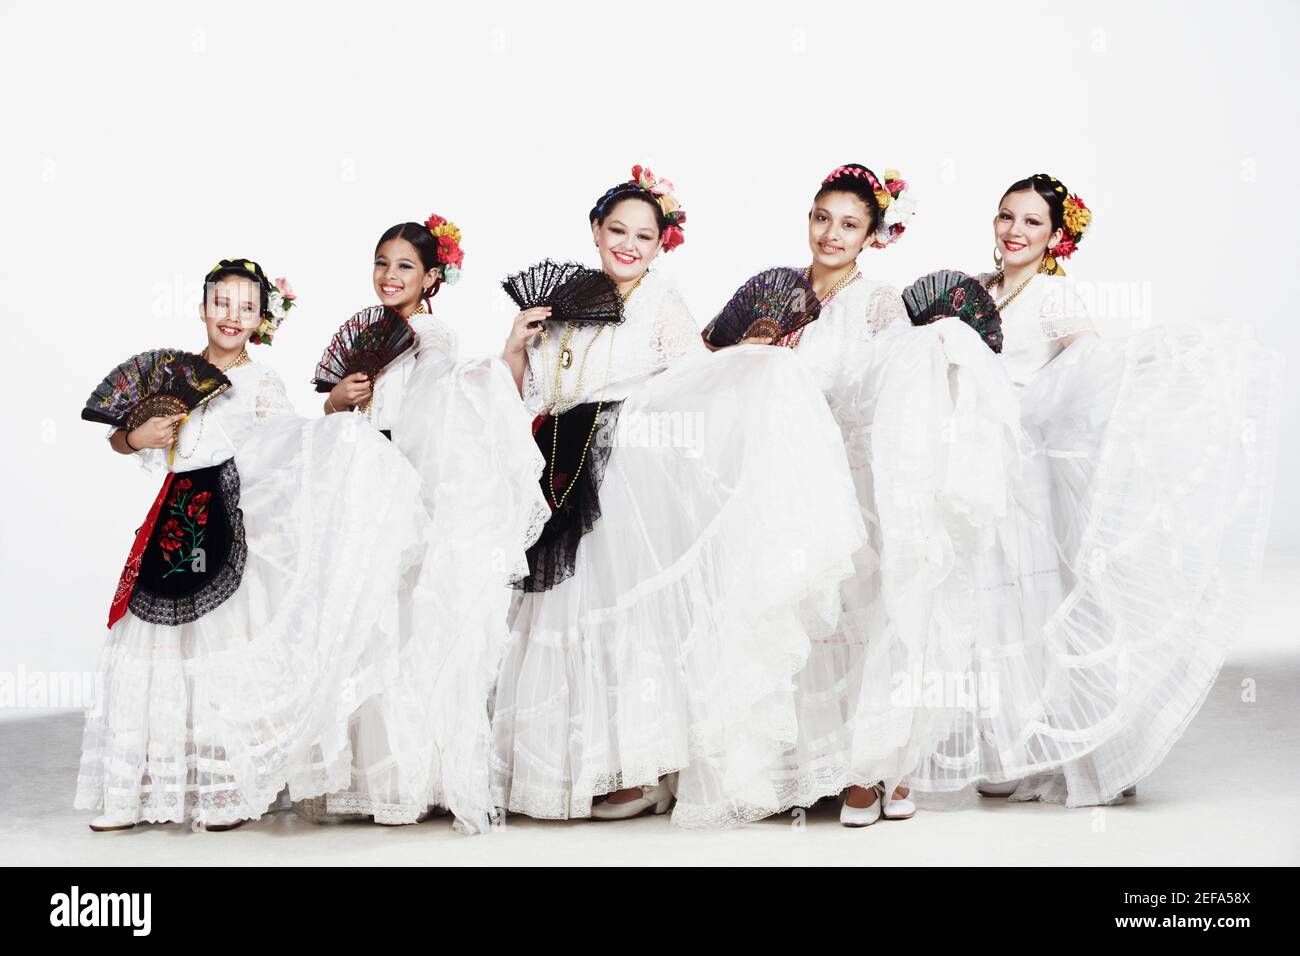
595 422
240 359
368 409
846 280
997 279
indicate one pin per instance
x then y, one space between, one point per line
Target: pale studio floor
1227 794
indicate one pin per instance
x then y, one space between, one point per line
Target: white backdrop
144 142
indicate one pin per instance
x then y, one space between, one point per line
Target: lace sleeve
675 335
531 394
1062 312
435 337
150 459
271 401
884 308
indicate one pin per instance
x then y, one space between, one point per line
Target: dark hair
858 186
243 269
426 247
1050 189
615 195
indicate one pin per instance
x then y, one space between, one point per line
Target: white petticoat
727 522
211 720
1124 567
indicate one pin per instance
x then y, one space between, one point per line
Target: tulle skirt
426 741
1125 564
213 719
728 520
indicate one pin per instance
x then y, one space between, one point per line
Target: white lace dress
726 505
212 719
1132 541
928 420
460 423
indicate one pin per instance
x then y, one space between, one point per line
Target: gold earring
997 258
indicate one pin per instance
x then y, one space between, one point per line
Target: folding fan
366 343
154 383
948 293
771 304
574 292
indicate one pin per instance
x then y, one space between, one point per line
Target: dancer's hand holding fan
951 294
770 305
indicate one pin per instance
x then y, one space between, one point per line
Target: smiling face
1023 229
400 277
231 310
628 239
839 226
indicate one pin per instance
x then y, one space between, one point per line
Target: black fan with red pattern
771 304
368 342
951 294
154 383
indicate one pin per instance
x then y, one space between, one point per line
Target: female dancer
461 425
1122 569
925 416
231 673
697 502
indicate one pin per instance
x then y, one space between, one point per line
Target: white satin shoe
658 796
987 788
104 823
862 816
898 808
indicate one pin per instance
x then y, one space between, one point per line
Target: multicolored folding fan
574 292
772 304
155 383
366 343
947 294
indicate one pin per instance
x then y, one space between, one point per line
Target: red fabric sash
131 571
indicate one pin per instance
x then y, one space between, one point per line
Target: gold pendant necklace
998 278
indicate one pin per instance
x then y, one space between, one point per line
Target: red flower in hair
449 251
434 221
1064 249
673 237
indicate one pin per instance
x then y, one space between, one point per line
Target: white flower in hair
275 303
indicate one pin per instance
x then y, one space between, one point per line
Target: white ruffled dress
1133 538
928 421
726 509
211 720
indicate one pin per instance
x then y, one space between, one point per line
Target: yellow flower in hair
446 229
892 174
883 198
1075 216
668 203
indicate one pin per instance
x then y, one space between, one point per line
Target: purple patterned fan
772 304
154 383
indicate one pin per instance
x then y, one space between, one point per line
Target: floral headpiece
661 191
280 296
896 207
1075 219
450 255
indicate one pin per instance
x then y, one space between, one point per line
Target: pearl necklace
240 359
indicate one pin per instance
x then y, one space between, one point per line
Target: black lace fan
948 293
159 382
574 292
771 304
367 342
